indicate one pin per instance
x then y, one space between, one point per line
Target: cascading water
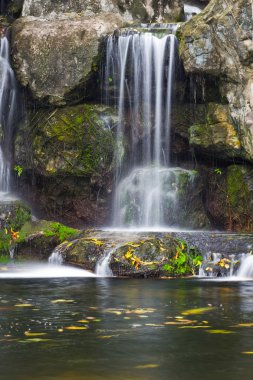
191 10
102 268
140 75
8 104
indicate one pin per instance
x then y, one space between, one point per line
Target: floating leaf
220 332
106 336
145 366
248 352
83 321
62 301
200 310
76 328
194 327
23 305
29 333
244 325
34 340
154 324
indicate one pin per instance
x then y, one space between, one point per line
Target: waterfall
102 268
246 267
139 74
8 104
55 257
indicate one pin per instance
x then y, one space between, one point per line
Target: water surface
125 329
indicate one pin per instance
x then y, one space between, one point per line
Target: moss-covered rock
218 135
13 215
66 156
230 197
76 141
146 256
37 240
217 43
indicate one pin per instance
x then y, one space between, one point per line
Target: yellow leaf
220 332
83 321
75 328
23 305
154 324
145 366
244 325
28 333
227 266
62 301
248 352
200 310
194 327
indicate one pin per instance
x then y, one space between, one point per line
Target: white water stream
8 102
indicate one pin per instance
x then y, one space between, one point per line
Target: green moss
60 231
70 141
238 192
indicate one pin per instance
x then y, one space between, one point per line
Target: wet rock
145 255
38 239
57 59
218 43
67 159
230 197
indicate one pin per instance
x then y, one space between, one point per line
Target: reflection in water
125 329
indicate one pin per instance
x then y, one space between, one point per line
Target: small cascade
55 258
102 268
190 11
246 267
8 105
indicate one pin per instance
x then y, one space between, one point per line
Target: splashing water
102 268
55 258
139 74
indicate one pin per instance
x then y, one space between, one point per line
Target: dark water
128 337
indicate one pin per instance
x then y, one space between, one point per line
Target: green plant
18 169
218 171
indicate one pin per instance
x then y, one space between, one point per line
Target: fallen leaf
200 310
144 366
29 333
62 301
76 328
220 332
23 305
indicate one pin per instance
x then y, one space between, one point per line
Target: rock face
55 59
230 197
166 10
217 44
67 159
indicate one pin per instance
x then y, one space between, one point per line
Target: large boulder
141 10
55 59
66 156
218 44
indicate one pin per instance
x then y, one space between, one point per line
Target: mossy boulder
13 215
145 256
230 197
217 44
37 240
218 135
67 159
76 141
